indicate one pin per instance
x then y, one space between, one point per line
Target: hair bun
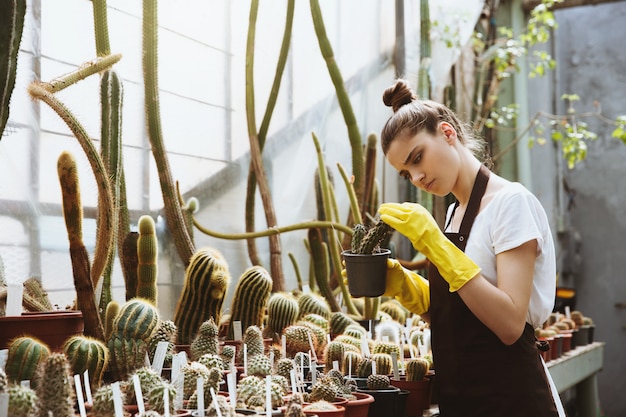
398 95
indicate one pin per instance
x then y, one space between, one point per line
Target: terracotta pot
366 273
52 327
360 406
419 395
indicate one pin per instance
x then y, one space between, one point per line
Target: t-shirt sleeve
516 221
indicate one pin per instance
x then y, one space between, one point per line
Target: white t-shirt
515 216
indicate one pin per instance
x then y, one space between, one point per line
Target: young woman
492 274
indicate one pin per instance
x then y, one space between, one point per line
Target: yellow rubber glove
408 287
419 226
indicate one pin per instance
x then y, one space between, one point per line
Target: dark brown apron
478 375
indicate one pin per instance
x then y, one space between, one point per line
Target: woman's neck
465 181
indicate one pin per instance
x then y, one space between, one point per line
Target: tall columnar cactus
25 355
282 311
339 321
417 368
73 214
12 14
147 253
250 299
206 341
297 339
132 330
113 308
22 401
85 353
129 261
206 283
55 389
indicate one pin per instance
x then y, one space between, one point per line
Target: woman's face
429 161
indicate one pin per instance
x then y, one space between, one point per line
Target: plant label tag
394 363
4 353
166 402
159 357
231 380
25 383
268 396
237 334
4 404
138 394
306 289
373 367
79 396
200 396
15 293
87 384
117 399
216 404
336 365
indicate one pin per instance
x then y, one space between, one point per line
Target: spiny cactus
386 347
206 340
113 308
259 365
250 299
416 369
297 339
85 353
34 289
364 368
129 261
211 360
228 354
395 310
206 283
384 363
166 332
378 381
334 351
319 338
191 372
283 367
22 401
103 405
12 25
370 239
282 311
312 303
25 355
253 339
148 378
339 321
213 380
156 396
323 390
132 329
147 263
55 389
351 361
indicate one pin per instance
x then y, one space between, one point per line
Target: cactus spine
55 389
311 303
129 261
113 308
22 401
165 332
147 253
206 283
132 330
85 353
250 298
25 355
206 341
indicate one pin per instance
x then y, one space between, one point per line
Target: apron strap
473 206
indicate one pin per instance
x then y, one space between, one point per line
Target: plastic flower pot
366 273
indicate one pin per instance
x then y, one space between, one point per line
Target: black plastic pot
366 273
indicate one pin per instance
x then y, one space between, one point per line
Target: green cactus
259 365
297 339
282 311
191 372
250 299
112 310
103 405
364 368
211 360
283 367
395 310
228 354
334 352
318 335
355 331
85 353
386 347
34 289
11 27
165 332
322 390
339 321
148 378
147 266
351 361
248 387
357 237
55 388
312 303
157 393
206 283
384 363
129 261
25 355
416 369
378 382
253 339
132 329
23 401
374 238
73 214
206 340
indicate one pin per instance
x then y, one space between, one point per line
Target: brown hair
412 115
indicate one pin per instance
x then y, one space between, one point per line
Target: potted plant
386 397
417 383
